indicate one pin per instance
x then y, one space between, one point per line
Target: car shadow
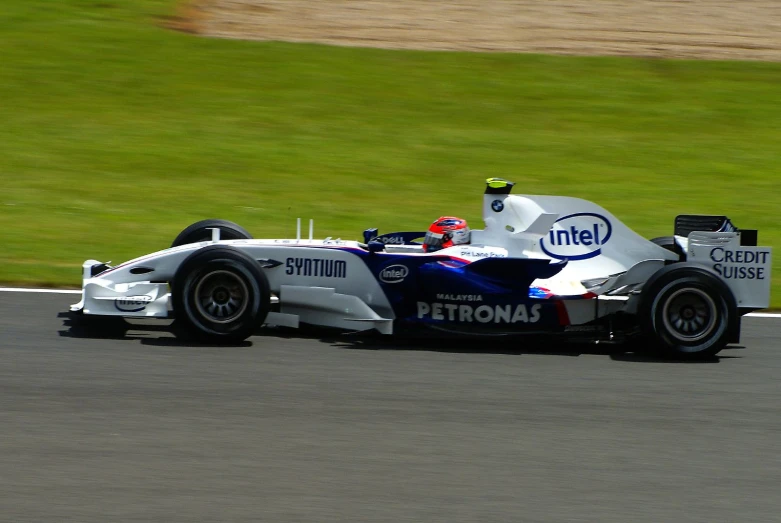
161 333
165 334
621 352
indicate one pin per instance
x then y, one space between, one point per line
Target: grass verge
118 132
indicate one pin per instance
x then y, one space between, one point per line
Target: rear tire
686 312
669 243
200 232
220 294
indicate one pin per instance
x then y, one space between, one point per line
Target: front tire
686 312
220 294
201 232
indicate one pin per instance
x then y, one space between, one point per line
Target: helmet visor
433 239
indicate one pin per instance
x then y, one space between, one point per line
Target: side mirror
375 247
370 234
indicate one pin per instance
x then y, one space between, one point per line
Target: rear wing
730 252
686 224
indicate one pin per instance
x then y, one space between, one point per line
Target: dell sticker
391 240
577 236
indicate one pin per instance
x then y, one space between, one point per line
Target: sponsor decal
740 264
319 267
497 205
479 314
132 303
460 297
268 263
476 253
539 292
394 274
391 240
578 236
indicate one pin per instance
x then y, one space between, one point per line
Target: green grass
116 133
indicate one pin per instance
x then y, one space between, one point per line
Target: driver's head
445 232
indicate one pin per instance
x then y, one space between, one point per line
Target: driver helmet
446 231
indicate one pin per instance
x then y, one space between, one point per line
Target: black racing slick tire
200 232
669 243
220 294
687 312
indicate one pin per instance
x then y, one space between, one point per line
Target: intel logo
132 303
577 236
394 273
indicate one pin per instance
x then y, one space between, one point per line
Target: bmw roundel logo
497 205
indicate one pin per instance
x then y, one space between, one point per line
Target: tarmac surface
137 426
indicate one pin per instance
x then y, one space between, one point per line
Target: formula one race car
543 265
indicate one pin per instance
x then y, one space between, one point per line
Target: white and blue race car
542 265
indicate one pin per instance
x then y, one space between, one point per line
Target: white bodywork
595 242
338 291
344 293
746 270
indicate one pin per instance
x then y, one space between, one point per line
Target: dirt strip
701 29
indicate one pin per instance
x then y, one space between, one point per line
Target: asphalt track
136 426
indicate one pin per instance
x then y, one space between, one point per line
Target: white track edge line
42 291
74 291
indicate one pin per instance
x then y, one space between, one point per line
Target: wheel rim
690 315
221 296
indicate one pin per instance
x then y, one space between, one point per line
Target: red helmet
445 232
